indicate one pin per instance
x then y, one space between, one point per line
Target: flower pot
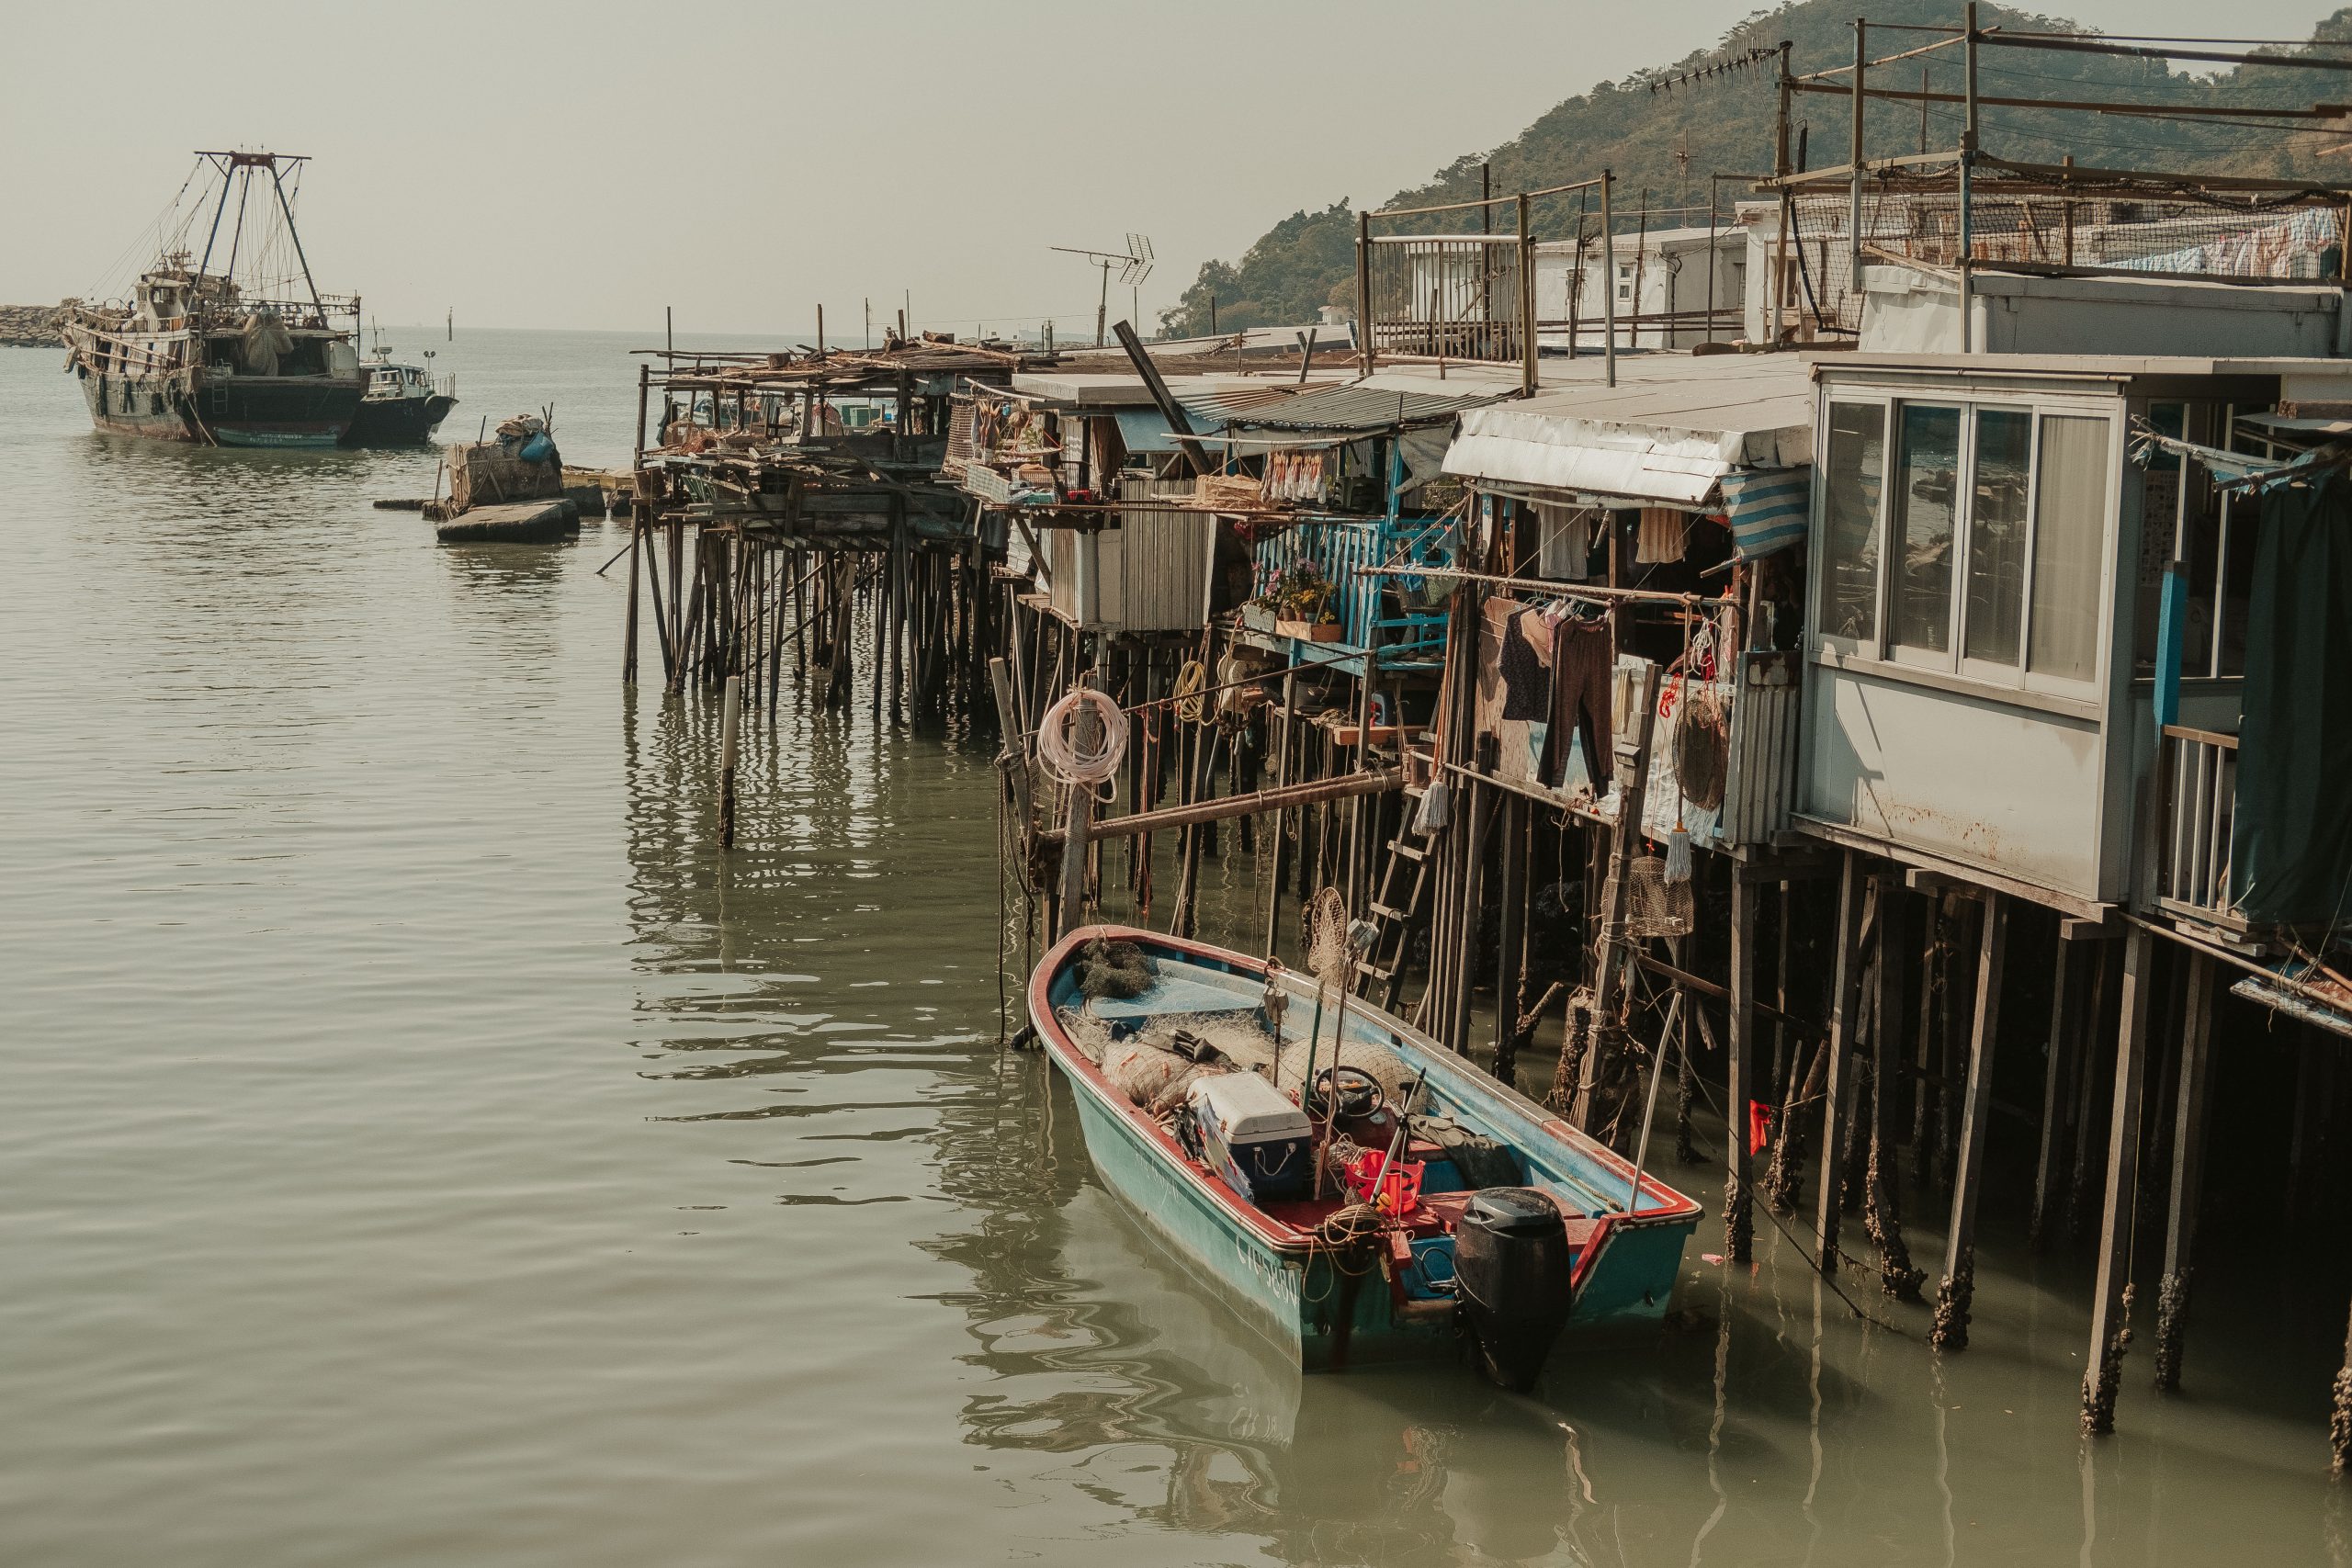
1309 631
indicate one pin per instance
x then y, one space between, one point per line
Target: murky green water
418 1143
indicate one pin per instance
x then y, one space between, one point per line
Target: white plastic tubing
1058 745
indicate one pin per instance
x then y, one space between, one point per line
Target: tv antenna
1134 265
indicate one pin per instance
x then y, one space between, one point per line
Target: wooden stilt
1956 1294
1882 1194
2057 1078
2187 1169
1740 1218
636 548
2111 1303
1854 896
1510 937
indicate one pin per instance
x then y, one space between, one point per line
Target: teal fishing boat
1348 1188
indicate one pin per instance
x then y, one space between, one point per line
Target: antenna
1134 265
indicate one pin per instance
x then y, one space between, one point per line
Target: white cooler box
1253 1137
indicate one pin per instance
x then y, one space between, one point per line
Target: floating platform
514 522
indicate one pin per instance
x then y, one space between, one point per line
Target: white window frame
1952 664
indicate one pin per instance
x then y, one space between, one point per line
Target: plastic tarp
1146 430
1768 509
2290 847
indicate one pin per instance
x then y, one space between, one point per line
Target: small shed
2027 653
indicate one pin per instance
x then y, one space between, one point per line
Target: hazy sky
583 165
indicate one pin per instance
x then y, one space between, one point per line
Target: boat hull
311 410
1291 1292
398 422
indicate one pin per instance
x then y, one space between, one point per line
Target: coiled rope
1058 745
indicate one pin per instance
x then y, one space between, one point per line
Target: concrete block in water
519 522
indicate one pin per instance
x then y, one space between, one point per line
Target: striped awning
1767 509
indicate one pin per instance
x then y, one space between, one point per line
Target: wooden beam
1739 1216
2111 1299
1310 792
1169 409
2187 1169
1854 898
2057 1076
1956 1294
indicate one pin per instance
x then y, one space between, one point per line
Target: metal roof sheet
1670 429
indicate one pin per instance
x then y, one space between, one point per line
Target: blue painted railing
1343 551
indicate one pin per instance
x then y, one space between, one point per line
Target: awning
1667 436
1767 507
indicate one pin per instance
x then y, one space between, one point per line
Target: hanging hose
1190 689
1058 745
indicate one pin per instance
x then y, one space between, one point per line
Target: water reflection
1777 1417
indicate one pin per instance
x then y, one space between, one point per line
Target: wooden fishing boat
1476 1217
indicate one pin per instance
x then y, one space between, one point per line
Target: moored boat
224 356
402 405
1348 1188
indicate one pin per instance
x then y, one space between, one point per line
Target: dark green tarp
2290 852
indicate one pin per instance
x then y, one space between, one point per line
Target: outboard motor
1511 1256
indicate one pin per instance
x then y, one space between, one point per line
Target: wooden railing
2197 770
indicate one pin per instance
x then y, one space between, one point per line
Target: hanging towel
1566 541
1514 703
1767 509
1661 536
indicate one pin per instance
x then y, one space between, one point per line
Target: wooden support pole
1739 1212
1956 1292
1882 1194
1855 895
1511 944
1471 887
2187 1169
1632 765
2057 1078
628 627
1076 815
2111 1303
730 719
1282 749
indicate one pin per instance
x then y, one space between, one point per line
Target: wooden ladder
1395 912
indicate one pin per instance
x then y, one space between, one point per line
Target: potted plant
1301 599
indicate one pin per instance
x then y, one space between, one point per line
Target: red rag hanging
1759 1125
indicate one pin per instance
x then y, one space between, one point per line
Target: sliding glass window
1998 495
1922 517
1851 480
2069 540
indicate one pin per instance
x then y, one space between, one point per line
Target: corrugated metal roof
1667 432
1355 409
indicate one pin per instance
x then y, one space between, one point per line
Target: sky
585 166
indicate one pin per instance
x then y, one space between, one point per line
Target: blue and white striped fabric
1768 509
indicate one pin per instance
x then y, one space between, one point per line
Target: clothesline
1558 589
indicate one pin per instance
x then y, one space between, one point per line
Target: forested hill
1663 146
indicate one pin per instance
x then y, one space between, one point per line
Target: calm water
418 1143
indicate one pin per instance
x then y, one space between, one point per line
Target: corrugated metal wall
1149 574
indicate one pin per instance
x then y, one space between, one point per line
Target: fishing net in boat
1156 1079
1120 970
266 340
1384 1065
1654 906
1330 955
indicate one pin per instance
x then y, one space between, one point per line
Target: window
2070 523
1850 483
1921 522
1997 535
1967 538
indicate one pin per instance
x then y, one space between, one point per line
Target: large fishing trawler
246 352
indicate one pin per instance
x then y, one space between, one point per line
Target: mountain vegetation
1665 136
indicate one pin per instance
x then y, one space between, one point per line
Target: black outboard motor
1511 1256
